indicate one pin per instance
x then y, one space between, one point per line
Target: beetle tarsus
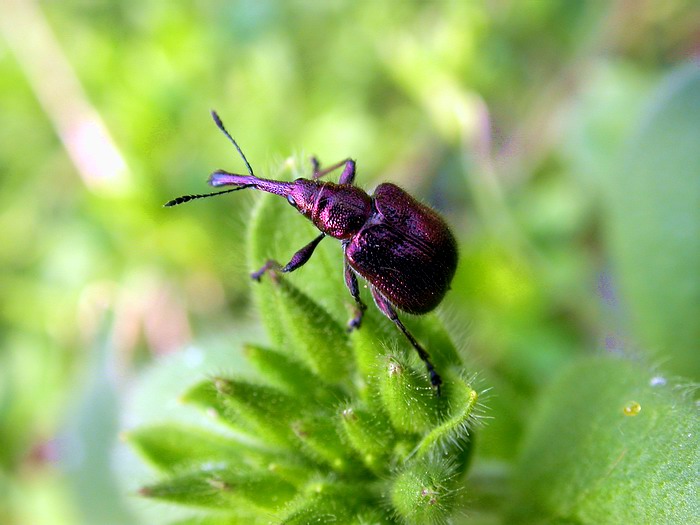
270 265
435 378
315 166
356 321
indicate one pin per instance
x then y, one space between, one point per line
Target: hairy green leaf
612 442
425 490
170 446
223 489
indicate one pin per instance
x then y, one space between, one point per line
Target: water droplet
632 408
657 381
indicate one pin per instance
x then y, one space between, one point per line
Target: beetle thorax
338 210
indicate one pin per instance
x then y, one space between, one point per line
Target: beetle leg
298 259
347 177
360 307
387 309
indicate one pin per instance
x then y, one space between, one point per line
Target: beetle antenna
188 198
220 125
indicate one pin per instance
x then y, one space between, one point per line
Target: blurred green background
522 122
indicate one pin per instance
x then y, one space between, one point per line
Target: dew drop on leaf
632 408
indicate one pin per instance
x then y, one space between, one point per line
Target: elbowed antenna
225 178
219 123
188 198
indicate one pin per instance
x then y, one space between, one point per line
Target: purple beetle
402 248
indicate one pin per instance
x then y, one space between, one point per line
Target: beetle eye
291 201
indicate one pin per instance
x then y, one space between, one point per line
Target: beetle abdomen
406 251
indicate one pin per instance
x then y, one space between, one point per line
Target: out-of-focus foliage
654 207
528 124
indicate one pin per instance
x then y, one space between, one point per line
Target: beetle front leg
347 177
387 309
360 307
299 259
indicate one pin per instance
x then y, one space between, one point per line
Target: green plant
333 424
344 428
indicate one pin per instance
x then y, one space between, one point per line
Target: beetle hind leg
360 307
387 309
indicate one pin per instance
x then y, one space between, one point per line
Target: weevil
402 248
